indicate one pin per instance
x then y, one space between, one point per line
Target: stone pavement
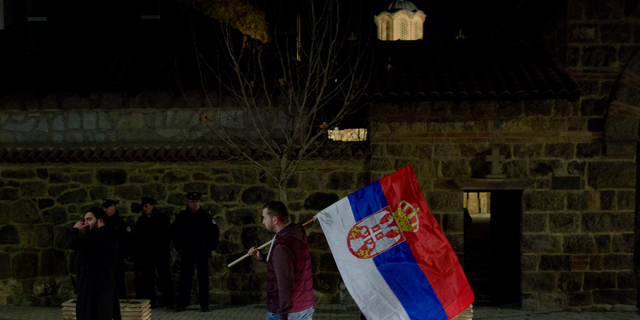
324 312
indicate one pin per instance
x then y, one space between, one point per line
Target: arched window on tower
387 26
403 30
416 32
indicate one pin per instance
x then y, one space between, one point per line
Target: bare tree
279 94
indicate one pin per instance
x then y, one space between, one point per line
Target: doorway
492 252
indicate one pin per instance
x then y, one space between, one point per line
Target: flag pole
265 244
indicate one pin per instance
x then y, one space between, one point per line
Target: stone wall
577 245
39 203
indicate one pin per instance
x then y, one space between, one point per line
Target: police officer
194 234
153 238
124 237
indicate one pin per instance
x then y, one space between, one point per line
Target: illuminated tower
401 20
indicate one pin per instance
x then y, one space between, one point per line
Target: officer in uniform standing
153 239
195 235
124 237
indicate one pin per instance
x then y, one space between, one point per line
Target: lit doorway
492 246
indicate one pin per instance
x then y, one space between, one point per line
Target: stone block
59 177
457 241
622 243
112 177
243 217
615 32
544 200
621 127
588 150
626 200
24 265
326 282
560 150
327 263
5 266
541 243
254 236
258 195
18 174
566 183
244 176
43 235
572 56
579 299
611 174
177 199
9 194
534 222
576 168
545 167
538 107
538 282
530 262
60 237
23 211
45 203
445 201
553 301
446 150
9 235
598 56
224 193
582 243
607 222
555 262
53 262
618 262
453 222
455 168
399 150
599 280
84 178
593 107
128 192
55 216
99 192
340 180
529 302
74 196
607 199
578 200
570 281
382 164
582 32
362 179
515 168
317 241
626 280
613 297
156 191
320 200
627 52
378 150
423 151
603 243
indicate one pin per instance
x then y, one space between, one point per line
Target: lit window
403 31
359 134
477 202
388 30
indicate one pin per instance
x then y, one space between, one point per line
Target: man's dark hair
277 209
98 213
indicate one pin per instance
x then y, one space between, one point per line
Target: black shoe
205 309
179 309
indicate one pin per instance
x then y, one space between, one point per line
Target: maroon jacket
289 277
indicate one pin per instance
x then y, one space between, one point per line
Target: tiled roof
161 154
470 70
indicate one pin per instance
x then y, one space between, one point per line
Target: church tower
401 20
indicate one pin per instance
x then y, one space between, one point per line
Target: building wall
577 245
40 202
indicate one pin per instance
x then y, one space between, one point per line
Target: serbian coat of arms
382 230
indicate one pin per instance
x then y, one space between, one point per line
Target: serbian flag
392 254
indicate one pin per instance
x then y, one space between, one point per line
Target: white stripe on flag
363 280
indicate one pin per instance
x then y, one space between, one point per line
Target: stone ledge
491 184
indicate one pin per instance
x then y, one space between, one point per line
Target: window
403 30
387 25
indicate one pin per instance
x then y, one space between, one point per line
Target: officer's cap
149 200
108 203
194 195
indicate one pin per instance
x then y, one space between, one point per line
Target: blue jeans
302 315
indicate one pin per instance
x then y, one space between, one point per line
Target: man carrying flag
392 255
289 277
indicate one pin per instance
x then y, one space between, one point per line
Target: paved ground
257 312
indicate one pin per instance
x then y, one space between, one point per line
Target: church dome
401 5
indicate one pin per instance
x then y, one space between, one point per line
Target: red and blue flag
392 255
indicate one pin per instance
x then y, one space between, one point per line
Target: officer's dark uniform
124 236
195 235
153 238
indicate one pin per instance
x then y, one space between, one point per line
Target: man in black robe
95 256
195 234
124 238
153 239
